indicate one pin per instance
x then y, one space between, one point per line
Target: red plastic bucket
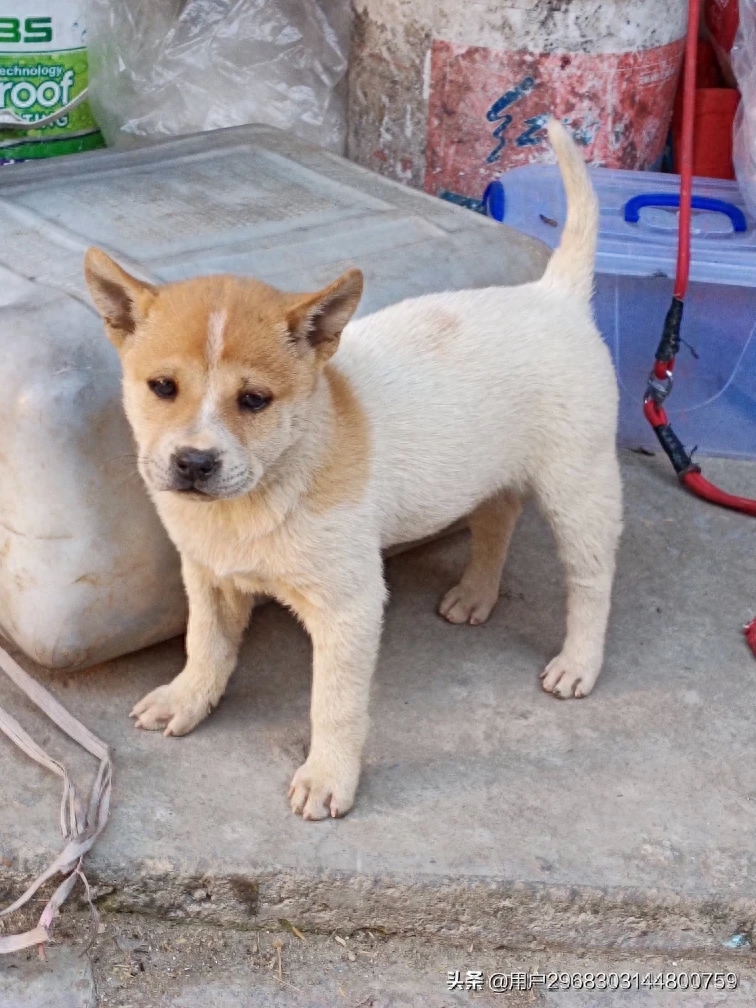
712 138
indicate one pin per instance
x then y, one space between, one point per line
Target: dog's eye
254 401
164 388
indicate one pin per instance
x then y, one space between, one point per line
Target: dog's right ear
121 299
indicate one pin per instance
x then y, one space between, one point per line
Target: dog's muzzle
193 469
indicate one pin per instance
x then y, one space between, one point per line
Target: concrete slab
64 980
487 808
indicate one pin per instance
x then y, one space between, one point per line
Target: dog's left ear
320 318
121 299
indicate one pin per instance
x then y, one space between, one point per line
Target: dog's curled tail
571 264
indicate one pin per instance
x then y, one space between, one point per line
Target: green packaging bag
43 81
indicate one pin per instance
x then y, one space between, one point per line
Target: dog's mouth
160 479
194 493
197 493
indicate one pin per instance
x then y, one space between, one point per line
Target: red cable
693 480
700 486
686 148
750 633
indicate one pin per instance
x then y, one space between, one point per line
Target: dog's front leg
345 638
218 615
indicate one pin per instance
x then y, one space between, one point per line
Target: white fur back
466 391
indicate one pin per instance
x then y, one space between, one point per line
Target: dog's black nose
194 466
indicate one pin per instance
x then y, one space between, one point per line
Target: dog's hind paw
464 604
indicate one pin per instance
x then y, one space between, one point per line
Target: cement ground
489 812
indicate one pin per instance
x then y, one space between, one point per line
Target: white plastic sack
743 57
166 67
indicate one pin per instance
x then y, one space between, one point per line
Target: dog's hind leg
584 507
491 528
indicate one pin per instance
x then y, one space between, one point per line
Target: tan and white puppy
285 448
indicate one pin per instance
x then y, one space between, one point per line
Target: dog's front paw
176 707
469 604
324 787
566 677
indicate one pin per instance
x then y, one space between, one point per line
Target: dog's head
219 372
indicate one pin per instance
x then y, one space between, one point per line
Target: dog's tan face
218 372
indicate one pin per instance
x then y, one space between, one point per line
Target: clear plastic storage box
713 404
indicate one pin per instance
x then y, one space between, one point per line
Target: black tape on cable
672 445
669 345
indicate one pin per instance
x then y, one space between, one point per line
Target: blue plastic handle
495 201
634 205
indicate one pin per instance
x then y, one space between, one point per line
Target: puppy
285 446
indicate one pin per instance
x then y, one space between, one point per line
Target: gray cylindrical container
447 95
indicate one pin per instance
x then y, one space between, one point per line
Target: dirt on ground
137 961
